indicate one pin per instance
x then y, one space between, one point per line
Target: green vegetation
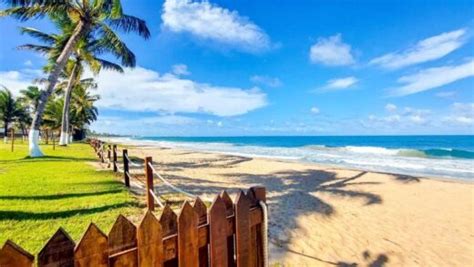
63 189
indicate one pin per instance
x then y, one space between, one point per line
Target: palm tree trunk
64 139
34 148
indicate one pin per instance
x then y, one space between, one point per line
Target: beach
329 216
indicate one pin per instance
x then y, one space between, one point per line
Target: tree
30 98
97 17
10 109
85 53
83 110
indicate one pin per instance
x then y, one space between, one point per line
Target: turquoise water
432 156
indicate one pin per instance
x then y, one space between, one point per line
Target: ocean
433 156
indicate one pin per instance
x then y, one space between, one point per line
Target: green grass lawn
37 196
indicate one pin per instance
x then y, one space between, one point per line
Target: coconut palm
30 98
10 109
85 53
95 18
83 111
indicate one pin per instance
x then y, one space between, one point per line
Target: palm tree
95 18
86 52
30 98
10 109
83 111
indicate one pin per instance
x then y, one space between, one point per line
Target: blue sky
280 68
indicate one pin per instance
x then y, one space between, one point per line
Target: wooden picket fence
225 234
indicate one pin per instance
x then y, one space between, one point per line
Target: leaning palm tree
97 17
86 53
10 109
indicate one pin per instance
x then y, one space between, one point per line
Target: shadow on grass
60 196
26 215
46 159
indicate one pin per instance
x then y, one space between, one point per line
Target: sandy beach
326 216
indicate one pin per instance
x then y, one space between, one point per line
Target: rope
174 187
263 205
133 163
169 184
156 199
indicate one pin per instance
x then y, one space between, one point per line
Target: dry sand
326 216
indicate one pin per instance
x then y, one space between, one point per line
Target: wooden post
149 184
114 154
125 168
109 154
102 152
13 138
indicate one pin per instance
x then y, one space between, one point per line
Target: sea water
431 156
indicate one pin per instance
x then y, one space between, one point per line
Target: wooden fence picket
122 243
218 233
58 251
188 237
92 249
150 242
229 205
169 227
242 230
12 255
201 211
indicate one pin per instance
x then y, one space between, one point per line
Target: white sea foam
399 161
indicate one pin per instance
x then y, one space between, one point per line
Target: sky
231 68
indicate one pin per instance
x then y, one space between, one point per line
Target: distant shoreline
236 150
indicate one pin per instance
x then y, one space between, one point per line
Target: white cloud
143 124
28 63
266 80
446 94
181 69
462 114
432 78
463 107
17 80
341 83
331 51
211 22
219 124
314 110
142 89
390 107
425 50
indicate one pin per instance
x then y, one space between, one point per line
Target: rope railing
133 163
171 185
112 156
156 198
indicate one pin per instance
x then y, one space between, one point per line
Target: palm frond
37 48
44 37
109 65
110 41
129 23
23 13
